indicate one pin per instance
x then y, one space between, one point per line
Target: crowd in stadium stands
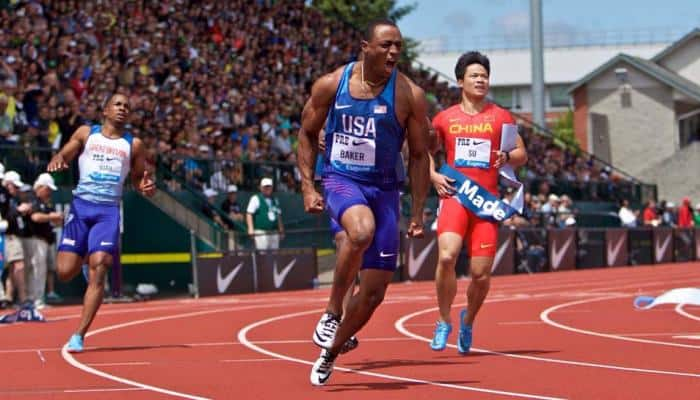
220 80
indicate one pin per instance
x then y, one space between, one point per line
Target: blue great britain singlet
104 165
364 137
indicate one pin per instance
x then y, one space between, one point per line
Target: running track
546 336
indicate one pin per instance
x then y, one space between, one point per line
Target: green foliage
359 13
563 132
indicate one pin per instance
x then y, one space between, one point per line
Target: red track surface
559 335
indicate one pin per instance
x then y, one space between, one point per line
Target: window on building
558 96
503 97
689 129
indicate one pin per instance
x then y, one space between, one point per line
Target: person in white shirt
264 217
628 217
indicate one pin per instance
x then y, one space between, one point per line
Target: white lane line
249 360
691 337
101 390
641 334
679 309
209 344
72 361
119 364
243 338
399 325
41 356
545 316
521 323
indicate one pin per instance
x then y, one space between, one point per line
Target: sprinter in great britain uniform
471 135
367 106
91 227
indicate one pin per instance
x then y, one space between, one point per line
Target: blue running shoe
75 344
442 331
464 342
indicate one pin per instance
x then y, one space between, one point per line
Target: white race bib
472 152
353 153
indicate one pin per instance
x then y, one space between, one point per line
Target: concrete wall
677 176
642 126
685 61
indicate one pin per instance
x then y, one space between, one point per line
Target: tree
359 13
563 132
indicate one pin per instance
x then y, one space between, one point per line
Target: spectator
16 236
209 207
565 216
42 255
696 216
231 207
628 217
650 217
219 180
685 214
550 209
264 217
668 214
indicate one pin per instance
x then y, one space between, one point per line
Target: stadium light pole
537 61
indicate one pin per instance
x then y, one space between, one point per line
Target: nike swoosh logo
278 277
500 253
415 263
106 243
486 245
358 142
613 251
323 380
222 283
340 107
660 251
382 254
558 254
478 143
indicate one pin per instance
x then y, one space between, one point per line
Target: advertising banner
562 249
286 269
590 251
684 244
230 274
663 245
616 247
641 246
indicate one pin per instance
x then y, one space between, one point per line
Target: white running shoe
325 330
322 369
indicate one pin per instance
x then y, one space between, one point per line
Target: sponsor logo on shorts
106 243
383 254
69 242
486 245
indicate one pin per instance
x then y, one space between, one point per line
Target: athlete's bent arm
140 177
515 158
70 150
419 160
312 118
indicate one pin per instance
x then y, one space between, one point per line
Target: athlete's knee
100 259
447 259
361 236
480 276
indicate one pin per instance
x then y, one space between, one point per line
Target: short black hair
109 98
469 58
369 32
